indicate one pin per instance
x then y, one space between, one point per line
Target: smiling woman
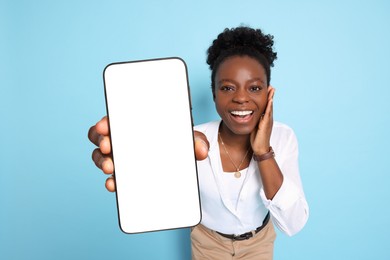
240 93
251 173
247 163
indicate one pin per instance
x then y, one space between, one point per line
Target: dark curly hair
241 41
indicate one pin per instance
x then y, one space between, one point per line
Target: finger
105 144
110 184
102 126
201 146
272 103
100 129
108 166
102 161
97 158
94 136
269 108
271 92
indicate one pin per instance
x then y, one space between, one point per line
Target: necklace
237 174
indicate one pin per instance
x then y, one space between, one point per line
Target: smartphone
151 129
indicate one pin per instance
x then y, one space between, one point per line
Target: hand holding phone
152 143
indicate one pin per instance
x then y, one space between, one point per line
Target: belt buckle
245 236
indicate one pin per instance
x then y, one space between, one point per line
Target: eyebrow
251 80
225 80
257 79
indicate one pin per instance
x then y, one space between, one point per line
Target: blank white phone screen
151 130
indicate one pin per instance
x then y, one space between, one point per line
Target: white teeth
241 113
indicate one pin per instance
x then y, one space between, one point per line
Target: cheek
262 103
219 105
218 101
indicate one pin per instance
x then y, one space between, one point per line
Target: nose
241 96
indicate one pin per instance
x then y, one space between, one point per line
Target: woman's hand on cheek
260 137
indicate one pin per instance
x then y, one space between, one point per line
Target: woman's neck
237 142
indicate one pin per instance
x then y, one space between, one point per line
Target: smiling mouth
241 114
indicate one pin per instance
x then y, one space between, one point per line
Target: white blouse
289 209
234 185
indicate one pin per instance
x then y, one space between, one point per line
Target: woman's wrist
261 149
262 156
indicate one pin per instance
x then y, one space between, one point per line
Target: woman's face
241 93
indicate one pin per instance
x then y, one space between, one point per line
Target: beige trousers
208 244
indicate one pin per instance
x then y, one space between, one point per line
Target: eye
226 88
255 88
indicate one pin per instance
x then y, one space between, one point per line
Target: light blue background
332 81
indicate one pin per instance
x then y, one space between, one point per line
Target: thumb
201 146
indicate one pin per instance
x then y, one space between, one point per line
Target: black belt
247 235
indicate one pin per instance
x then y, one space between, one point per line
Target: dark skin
241 85
100 136
245 104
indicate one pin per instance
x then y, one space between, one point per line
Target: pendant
237 174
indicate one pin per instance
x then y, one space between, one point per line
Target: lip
244 118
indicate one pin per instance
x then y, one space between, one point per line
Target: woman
247 163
